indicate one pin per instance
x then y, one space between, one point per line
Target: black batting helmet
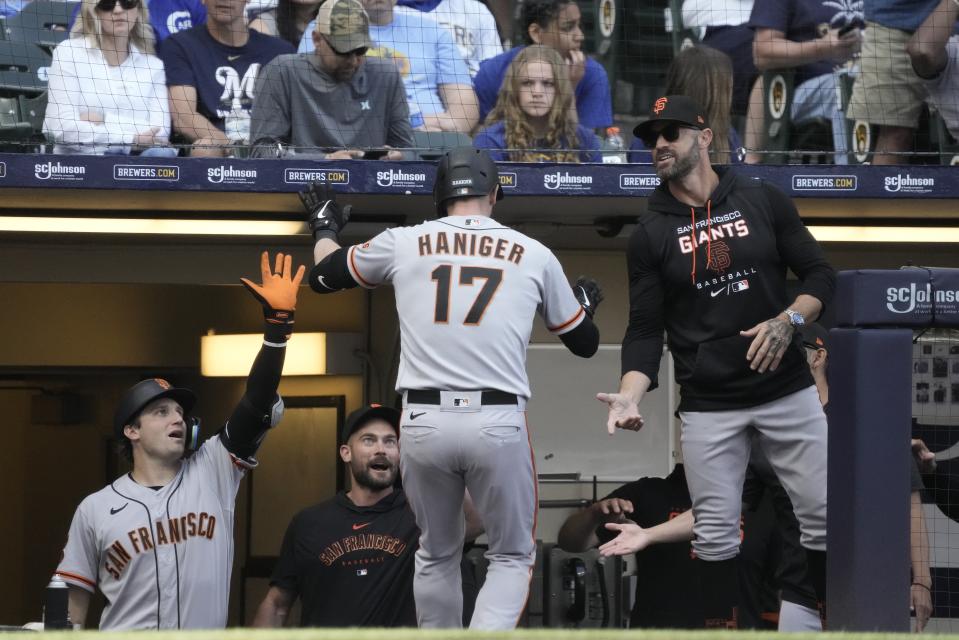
143 393
464 172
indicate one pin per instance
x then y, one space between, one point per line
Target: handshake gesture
325 217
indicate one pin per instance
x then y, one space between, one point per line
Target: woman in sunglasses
534 119
705 75
107 91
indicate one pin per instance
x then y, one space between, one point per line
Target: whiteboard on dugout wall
568 425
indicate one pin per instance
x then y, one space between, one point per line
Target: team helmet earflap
192 434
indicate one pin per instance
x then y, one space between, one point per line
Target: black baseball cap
678 108
814 336
367 414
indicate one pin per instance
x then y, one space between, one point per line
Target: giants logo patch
720 257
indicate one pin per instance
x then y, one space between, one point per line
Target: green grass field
519 634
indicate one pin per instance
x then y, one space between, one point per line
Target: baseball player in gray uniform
158 541
467 289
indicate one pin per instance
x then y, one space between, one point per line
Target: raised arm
260 407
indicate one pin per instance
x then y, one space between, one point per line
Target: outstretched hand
588 293
280 286
623 412
631 538
325 216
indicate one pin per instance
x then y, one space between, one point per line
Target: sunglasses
670 132
360 52
109 5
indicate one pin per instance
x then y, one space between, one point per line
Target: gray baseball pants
791 431
445 449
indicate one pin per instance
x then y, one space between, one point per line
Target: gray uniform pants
791 431
444 450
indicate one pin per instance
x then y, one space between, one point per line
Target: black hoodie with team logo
704 288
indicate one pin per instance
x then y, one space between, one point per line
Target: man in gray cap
333 100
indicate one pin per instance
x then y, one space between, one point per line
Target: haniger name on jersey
173 531
470 244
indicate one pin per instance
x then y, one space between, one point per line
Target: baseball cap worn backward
368 413
677 108
345 25
143 393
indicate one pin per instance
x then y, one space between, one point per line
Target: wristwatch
795 318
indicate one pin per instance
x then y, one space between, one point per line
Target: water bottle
55 611
613 147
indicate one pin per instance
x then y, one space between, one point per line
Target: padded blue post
869 414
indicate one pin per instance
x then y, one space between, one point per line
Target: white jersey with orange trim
467 291
161 557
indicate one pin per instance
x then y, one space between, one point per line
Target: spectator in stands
887 91
211 74
721 24
11 7
288 20
705 75
333 99
469 23
934 52
106 91
803 35
556 24
167 16
437 80
535 113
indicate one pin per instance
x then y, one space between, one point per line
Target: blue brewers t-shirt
493 138
224 76
593 103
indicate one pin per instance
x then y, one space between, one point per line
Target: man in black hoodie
707 264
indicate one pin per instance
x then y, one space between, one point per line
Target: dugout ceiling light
152 226
885 234
308 354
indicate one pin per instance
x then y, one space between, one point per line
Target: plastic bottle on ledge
55 608
614 150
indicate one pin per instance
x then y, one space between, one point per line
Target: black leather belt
432 396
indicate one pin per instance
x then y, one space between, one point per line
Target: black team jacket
706 273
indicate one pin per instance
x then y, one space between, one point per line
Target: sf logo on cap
162 383
659 105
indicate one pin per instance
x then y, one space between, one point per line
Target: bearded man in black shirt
350 559
707 265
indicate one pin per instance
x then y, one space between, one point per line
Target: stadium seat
23 68
13 130
41 22
430 145
32 111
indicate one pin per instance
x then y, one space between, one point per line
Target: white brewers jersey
162 558
467 290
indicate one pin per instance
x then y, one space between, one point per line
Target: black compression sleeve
582 341
251 418
332 274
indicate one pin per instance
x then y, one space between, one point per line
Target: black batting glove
326 217
588 294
